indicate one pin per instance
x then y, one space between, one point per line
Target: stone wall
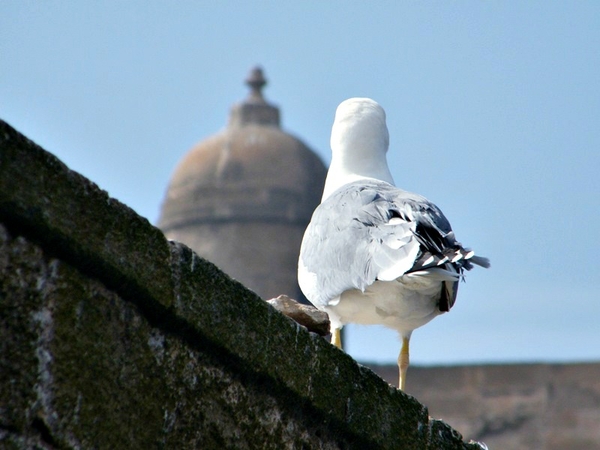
113 337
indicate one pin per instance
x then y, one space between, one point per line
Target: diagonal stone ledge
66 218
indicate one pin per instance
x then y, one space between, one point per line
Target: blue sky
493 110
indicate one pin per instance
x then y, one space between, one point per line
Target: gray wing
368 231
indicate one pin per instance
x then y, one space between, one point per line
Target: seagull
373 253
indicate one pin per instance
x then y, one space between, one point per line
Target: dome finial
254 109
256 81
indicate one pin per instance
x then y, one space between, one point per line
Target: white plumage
373 253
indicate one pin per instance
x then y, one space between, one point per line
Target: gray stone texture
113 337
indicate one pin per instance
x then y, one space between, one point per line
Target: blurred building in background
512 406
243 197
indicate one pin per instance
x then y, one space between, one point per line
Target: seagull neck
343 172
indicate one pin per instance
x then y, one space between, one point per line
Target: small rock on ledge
306 315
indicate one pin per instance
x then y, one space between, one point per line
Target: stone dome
243 197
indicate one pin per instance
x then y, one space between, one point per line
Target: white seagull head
359 143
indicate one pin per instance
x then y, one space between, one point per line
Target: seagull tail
480 261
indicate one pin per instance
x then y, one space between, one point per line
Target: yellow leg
336 338
403 361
